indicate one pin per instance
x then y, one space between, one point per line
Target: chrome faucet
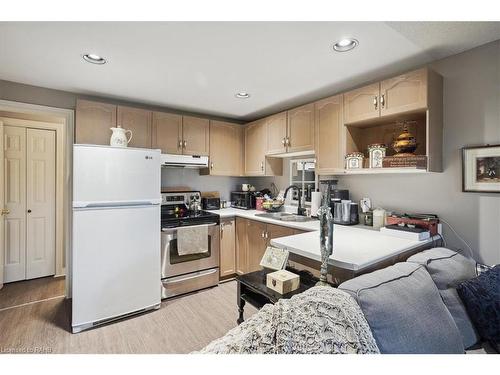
300 210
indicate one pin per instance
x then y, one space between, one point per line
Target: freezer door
104 176
116 262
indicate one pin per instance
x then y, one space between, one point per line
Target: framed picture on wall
481 169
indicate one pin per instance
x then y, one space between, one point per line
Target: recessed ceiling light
345 45
242 95
94 59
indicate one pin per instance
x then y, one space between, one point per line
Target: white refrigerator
116 233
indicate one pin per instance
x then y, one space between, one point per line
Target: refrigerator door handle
116 204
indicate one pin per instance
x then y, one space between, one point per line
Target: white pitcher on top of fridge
119 137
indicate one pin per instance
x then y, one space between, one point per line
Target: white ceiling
199 66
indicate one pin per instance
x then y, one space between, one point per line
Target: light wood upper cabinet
138 121
226 148
93 122
227 264
255 148
301 129
195 135
167 132
404 93
276 133
362 104
329 135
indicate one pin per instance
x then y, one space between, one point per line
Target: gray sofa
413 307
410 307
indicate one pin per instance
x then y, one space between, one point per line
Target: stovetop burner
178 215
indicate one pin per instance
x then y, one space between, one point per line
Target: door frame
63 122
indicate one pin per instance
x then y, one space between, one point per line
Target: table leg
241 305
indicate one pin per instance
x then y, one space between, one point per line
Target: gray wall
180 177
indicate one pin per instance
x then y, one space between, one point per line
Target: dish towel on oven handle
192 240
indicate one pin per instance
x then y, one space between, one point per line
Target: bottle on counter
378 218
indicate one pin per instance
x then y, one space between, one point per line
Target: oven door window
175 258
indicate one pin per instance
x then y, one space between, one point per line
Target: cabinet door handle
375 101
211 165
262 166
180 144
283 141
288 141
267 234
185 144
382 101
262 234
29 211
5 211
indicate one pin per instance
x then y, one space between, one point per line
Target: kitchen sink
285 216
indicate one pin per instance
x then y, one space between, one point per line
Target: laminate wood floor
181 325
21 292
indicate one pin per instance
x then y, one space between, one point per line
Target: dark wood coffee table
252 289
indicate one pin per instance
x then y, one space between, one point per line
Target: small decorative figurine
354 160
376 152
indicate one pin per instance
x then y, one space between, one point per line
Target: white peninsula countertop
354 247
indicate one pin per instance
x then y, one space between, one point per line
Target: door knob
5 211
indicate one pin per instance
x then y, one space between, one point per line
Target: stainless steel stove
189 244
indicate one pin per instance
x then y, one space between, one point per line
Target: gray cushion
446 267
459 313
404 310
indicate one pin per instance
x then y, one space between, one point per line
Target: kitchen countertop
250 214
354 247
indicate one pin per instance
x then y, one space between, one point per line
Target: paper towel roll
315 202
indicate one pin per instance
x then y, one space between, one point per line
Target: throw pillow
481 297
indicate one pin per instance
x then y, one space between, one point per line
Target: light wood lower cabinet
93 122
138 121
252 239
241 246
330 138
195 135
226 149
227 266
167 132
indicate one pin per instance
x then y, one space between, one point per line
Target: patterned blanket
319 321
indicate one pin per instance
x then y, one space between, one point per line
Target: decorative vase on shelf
405 144
119 137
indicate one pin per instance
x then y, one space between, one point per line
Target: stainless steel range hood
184 161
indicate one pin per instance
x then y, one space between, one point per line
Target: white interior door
2 208
40 203
15 203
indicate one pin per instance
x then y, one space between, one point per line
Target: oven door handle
169 230
186 278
